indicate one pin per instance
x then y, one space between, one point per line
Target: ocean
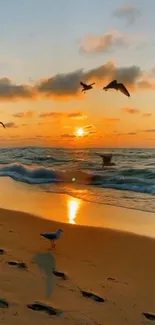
79 173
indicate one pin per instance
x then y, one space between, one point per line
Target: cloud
123 134
90 126
68 135
10 91
77 116
60 115
131 110
149 130
131 133
27 114
10 125
127 12
103 43
66 86
147 114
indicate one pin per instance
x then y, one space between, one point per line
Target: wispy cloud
90 126
103 43
127 12
68 135
131 133
27 114
147 114
149 130
124 134
131 110
11 125
60 115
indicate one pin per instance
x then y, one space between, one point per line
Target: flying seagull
52 236
86 87
106 159
118 86
3 125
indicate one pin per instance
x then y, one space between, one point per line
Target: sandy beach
117 266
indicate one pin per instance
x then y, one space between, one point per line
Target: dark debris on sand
2 251
38 306
20 265
61 275
92 296
149 316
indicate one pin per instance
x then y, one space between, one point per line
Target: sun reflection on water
73 207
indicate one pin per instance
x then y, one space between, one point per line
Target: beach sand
120 267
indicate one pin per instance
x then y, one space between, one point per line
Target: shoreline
96 260
64 208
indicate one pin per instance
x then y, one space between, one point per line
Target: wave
136 180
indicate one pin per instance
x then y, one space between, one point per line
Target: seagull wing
82 84
49 235
123 89
3 125
111 84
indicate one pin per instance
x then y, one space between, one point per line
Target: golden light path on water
73 207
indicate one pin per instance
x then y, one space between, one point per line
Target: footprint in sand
61 275
149 316
38 306
92 296
20 265
4 303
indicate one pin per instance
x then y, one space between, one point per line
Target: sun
80 132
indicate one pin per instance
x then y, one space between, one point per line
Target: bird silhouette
118 86
106 158
86 87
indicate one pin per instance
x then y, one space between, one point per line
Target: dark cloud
103 43
11 91
127 12
131 110
68 85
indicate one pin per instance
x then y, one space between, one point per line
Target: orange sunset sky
48 47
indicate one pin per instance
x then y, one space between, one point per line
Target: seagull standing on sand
118 86
52 236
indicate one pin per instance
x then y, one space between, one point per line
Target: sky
48 47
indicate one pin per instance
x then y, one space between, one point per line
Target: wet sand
117 266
